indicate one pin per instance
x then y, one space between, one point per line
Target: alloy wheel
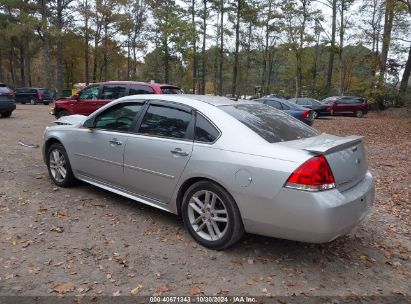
208 215
58 166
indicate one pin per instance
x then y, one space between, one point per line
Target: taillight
329 108
305 114
314 175
39 96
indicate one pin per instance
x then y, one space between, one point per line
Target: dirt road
84 240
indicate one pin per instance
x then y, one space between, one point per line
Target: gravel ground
87 241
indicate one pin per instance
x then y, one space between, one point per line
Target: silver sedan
226 167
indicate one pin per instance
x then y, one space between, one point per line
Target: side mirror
89 123
75 97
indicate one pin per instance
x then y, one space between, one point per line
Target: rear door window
204 130
136 89
274 104
165 121
113 91
271 125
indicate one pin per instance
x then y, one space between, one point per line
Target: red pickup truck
97 95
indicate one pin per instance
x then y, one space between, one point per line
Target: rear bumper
7 107
313 217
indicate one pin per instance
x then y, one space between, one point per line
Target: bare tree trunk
203 51
220 71
194 42
316 59
237 47
26 59
386 40
86 41
406 75
332 48
298 76
22 70
12 61
265 77
46 45
59 49
341 50
1 66
105 53
166 60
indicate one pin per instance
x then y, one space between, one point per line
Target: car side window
140 89
165 121
301 102
90 93
204 130
285 107
119 117
274 104
113 91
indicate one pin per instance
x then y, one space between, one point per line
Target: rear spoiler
334 145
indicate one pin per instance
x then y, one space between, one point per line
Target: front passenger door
98 152
156 156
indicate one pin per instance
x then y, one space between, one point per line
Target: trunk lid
345 155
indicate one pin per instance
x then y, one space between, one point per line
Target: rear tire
211 216
62 113
46 103
23 102
59 167
359 114
6 114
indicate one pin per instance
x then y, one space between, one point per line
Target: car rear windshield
44 91
171 90
271 124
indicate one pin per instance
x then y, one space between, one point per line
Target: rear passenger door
155 157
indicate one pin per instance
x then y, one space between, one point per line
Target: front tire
6 114
59 167
211 215
62 113
359 114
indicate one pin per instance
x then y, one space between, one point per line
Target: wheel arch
188 183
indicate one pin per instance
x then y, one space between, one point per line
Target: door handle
115 141
178 151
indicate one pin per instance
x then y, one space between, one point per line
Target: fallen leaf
62 288
136 289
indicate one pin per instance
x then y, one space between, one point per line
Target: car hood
71 120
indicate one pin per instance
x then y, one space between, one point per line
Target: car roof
154 84
189 99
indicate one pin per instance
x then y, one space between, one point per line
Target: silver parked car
225 166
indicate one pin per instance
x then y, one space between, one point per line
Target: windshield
269 123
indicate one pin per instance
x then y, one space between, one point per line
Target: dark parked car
97 95
348 105
320 109
303 114
7 102
33 96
